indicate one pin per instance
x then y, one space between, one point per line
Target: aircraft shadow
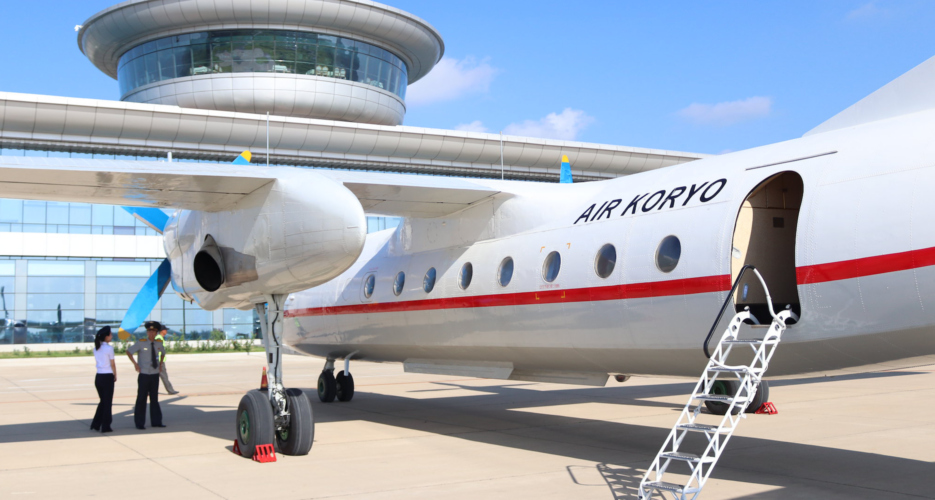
526 419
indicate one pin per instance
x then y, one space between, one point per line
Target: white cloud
451 79
728 113
474 126
563 126
865 11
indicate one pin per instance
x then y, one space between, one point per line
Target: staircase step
743 341
722 369
717 398
685 457
701 428
662 485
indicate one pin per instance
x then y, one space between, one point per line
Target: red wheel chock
767 409
264 453
236 448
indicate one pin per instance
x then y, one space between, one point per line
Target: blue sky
693 76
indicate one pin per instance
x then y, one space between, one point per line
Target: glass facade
259 51
53 301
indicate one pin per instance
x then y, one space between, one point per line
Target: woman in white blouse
105 380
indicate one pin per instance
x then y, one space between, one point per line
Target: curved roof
105 36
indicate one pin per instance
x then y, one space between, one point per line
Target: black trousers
147 385
103 417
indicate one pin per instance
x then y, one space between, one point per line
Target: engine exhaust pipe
209 265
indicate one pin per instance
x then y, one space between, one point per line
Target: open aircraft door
764 236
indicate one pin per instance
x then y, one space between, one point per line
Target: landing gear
327 386
296 439
340 386
254 422
280 414
729 388
345 386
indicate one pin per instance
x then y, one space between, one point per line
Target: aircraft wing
409 195
214 187
194 186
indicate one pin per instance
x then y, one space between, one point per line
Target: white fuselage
863 247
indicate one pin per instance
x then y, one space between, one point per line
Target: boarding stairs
691 419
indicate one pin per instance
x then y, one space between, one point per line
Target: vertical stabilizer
565 178
912 92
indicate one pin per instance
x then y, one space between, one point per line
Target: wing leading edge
215 187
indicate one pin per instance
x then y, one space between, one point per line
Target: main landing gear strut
277 413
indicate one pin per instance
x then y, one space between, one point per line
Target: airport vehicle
563 283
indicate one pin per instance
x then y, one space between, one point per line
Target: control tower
346 60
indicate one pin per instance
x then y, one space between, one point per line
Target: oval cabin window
464 277
428 282
369 282
668 254
605 261
506 271
399 283
551 267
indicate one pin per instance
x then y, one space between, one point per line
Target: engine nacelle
299 231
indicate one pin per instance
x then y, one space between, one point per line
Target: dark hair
102 334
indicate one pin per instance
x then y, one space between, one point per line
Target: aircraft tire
761 396
722 387
297 439
326 386
254 422
344 386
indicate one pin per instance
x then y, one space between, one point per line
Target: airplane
567 282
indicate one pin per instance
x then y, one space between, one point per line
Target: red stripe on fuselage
805 275
615 292
867 266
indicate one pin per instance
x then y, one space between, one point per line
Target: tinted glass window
668 254
399 283
428 282
464 277
368 285
506 271
606 260
551 267
249 51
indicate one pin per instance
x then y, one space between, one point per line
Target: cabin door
764 236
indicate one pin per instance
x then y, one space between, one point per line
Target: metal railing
733 288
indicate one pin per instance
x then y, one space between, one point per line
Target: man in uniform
164 373
148 367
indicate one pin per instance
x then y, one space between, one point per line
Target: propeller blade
146 300
152 217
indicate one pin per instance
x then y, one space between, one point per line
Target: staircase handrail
733 288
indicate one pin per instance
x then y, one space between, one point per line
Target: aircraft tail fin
912 92
565 177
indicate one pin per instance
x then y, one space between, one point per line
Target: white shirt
103 357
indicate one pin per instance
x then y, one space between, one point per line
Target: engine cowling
299 231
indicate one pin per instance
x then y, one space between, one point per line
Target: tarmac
428 436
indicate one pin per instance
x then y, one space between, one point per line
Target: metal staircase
690 420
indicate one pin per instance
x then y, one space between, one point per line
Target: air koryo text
706 191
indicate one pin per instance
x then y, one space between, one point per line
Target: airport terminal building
323 81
